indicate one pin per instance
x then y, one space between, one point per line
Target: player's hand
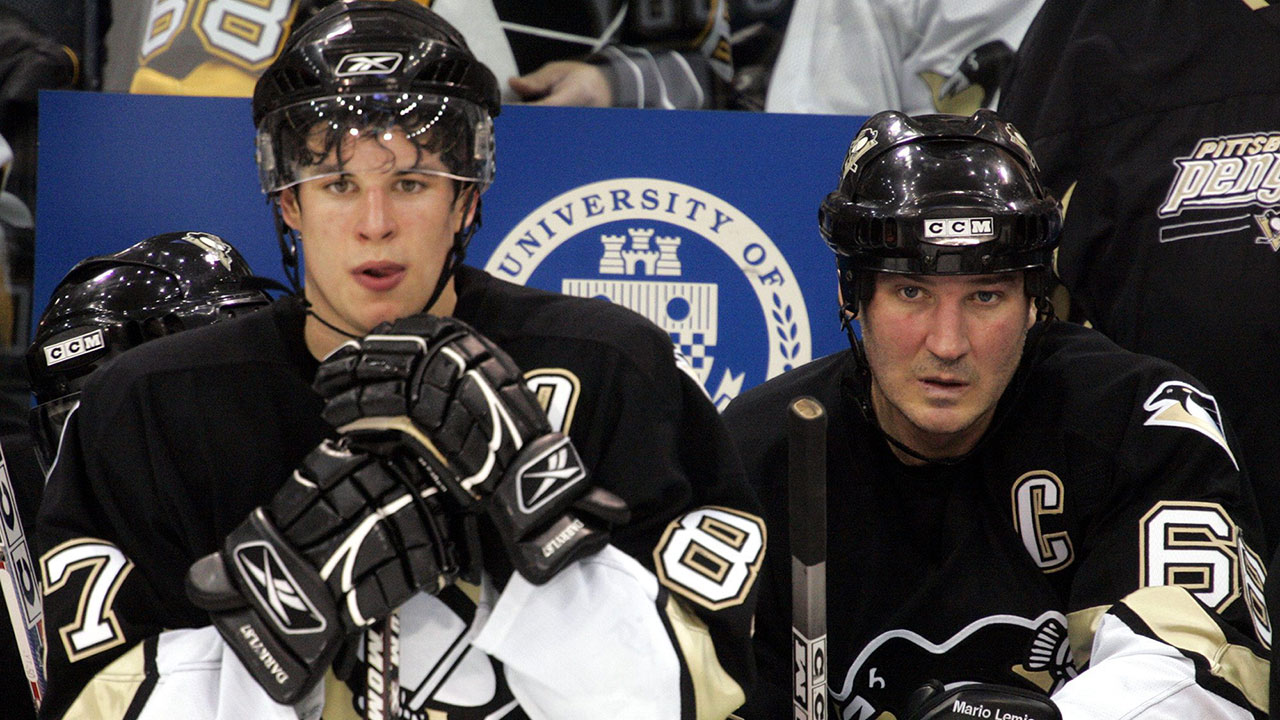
353 534
445 392
564 82
962 702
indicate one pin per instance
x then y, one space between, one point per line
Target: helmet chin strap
858 388
288 240
458 251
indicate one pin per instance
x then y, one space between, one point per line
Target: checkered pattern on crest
693 345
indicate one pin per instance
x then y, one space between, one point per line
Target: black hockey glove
353 534
458 401
982 700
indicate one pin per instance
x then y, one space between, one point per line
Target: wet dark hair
446 135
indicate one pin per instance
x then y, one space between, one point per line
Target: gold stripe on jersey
212 77
1175 618
715 692
1257 4
1081 626
110 693
338 699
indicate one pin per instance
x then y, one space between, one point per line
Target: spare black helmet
107 304
940 195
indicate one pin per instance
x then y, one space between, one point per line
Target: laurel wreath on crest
787 330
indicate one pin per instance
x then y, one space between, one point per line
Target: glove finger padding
475 423
459 389
348 539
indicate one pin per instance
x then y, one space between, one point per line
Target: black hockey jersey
178 440
1105 477
1157 122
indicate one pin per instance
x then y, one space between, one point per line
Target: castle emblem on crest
688 311
672 253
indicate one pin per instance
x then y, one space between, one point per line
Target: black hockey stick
807 480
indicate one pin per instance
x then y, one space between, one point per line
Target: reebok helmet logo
368 63
547 475
271 583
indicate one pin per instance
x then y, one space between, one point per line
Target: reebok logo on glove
266 576
547 475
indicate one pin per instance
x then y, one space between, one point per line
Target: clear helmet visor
447 136
47 423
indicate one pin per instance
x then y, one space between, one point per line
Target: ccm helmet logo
368 63
73 348
959 227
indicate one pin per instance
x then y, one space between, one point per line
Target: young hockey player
1013 500
514 506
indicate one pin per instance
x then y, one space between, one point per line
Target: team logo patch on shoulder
676 255
1177 404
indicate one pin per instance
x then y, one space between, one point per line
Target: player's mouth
379 276
943 386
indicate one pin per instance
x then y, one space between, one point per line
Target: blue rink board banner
703 221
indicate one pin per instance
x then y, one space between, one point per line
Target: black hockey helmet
360 68
939 195
108 304
369 65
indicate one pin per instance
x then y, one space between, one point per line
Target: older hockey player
514 506
1014 500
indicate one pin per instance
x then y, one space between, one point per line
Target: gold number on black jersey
711 555
95 628
1191 544
1035 495
557 393
246 33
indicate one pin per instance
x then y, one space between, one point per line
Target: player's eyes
411 184
339 185
910 292
987 297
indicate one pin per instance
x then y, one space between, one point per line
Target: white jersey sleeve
1160 655
858 57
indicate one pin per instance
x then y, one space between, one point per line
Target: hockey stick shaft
20 588
807 508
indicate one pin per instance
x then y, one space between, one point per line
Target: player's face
375 230
942 349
